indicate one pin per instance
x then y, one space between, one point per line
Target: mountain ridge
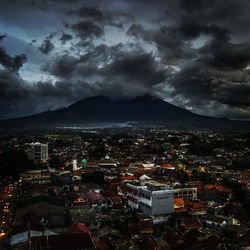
141 109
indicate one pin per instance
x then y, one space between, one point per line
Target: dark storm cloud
206 79
2 37
11 63
18 98
173 42
226 55
110 70
87 29
213 8
10 86
106 17
47 46
234 94
138 67
63 66
13 94
65 38
210 90
91 12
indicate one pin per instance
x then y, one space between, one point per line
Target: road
6 211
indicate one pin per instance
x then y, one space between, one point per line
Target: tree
14 161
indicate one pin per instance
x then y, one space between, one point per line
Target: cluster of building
134 191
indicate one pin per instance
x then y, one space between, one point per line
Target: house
190 223
114 202
43 206
20 234
171 235
36 176
146 226
179 206
76 175
187 193
72 241
107 163
109 235
84 215
217 221
93 197
196 208
236 231
134 230
78 228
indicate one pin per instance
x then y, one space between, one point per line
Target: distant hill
144 110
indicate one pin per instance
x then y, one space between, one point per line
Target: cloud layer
194 54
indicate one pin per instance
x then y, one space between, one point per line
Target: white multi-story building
187 193
152 198
38 151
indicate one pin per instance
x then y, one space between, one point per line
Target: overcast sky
192 53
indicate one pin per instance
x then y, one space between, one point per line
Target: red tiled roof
113 186
180 210
246 173
222 189
171 152
128 178
145 226
219 188
179 201
190 223
170 235
91 163
194 205
101 245
76 173
196 183
133 228
79 200
209 187
78 228
167 165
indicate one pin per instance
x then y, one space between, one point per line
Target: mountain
145 110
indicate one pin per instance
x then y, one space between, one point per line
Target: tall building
38 151
152 198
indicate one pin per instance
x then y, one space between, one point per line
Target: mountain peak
145 109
